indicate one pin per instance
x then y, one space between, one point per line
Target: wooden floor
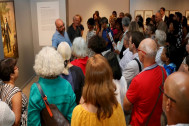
26 89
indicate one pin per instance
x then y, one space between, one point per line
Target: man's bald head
177 87
149 46
60 26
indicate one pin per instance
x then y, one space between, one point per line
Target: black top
73 33
76 79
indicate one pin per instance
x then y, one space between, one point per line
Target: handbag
50 115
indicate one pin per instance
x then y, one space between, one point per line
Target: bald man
60 35
176 99
143 92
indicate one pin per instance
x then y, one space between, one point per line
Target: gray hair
66 52
161 37
48 63
79 47
126 21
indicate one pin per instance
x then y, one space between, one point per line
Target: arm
17 107
127 105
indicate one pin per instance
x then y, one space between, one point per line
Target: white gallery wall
155 5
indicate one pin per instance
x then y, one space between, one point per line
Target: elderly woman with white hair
79 50
160 39
49 65
72 74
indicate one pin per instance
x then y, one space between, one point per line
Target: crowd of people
127 72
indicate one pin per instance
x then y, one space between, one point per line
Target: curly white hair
48 63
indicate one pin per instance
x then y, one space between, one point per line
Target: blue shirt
170 68
58 38
104 35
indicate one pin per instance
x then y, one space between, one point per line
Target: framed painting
173 11
148 14
187 16
167 13
8 29
139 12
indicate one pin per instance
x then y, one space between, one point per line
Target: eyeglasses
60 26
167 95
141 51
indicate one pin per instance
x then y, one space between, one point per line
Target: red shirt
143 93
81 62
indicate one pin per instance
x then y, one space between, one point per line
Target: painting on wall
173 11
187 16
8 29
139 12
148 14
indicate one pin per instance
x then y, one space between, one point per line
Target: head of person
160 37
148 21
184 21
162 11
128 15
97 44
60 26
139 18
66 52
158 17
168 54
121 15
147 51
96 15
134 40
99 89
176 98
48 63
126 40
76 20
8 69
5 19
125 23
118 24
114 64
150 29
178 16
90 23
112 21
104 22
133 26
79 47
114 13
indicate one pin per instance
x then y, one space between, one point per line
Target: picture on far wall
147 14
187 16
173 11
139 12
8 29
167 13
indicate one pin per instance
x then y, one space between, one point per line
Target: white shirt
127 57
121 89
90 34
131 70
163 18
158 56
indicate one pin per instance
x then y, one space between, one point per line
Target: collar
150 67
135 55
